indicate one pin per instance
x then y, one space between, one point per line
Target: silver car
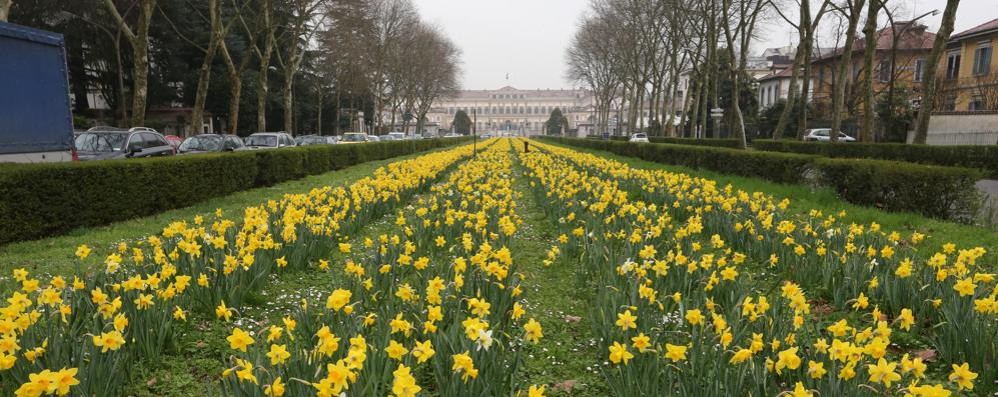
269 140
824 135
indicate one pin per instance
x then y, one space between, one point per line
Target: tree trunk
929 83
288 93
140 62
869 31
5 9
805 88
791 95
261 96
201 95
204 74
839 95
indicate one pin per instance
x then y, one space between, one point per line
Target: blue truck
36 119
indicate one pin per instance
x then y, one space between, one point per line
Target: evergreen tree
462 123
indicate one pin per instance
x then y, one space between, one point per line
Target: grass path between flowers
804 198
567 359
55 255
195 367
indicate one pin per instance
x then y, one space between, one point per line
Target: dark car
105 143
306 140
211 143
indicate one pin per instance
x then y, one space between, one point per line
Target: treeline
257 65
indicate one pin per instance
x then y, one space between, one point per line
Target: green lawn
55 255
804 198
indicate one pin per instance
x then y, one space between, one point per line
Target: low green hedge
981 157
936 191
777 167
714 142
43 200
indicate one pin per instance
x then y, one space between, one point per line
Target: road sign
407 116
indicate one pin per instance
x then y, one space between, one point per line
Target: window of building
884 74
982 59
976 103
953 65
919 70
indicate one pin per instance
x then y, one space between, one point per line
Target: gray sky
527 38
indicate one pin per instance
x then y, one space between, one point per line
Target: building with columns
513 110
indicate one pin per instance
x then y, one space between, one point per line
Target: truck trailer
36 119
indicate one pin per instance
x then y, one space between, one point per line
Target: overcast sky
526 39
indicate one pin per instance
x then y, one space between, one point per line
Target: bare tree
866 132
591 63
852 10
306 16
805 27
931 64
139 40
739 24
435 72
217 30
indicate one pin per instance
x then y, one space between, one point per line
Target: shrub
43 200
715 142
981 157
936 191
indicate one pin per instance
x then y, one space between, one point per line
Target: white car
269 140
824 135
639 137
397 136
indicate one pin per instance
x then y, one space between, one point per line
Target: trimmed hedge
43 200
936 191
713 142
981 157
777 167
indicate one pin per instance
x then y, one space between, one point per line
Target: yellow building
908 44
969 76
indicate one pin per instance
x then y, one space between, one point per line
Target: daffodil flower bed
696 289
704 290
431 307
76 336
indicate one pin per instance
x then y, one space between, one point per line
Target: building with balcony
968 75
901 52
510 109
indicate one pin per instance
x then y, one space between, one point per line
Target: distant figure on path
526 146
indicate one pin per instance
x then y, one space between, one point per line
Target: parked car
486 136
373 138
174 140
207 143
354 137
306 140
105 143
824 135
397 136
639 137
269 140
453 135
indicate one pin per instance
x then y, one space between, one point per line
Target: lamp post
474 132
